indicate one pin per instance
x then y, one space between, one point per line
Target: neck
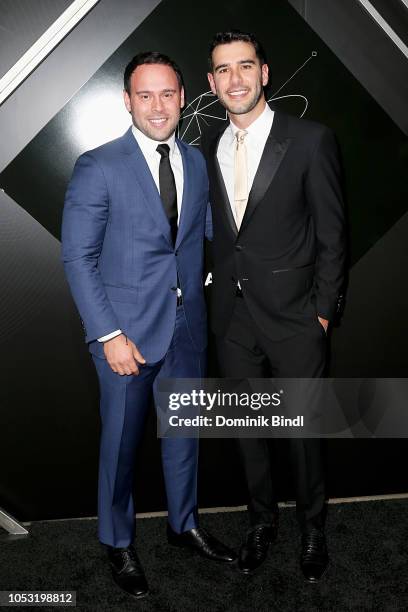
243 121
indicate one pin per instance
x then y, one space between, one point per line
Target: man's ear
126 99
211 82
182 98
265 74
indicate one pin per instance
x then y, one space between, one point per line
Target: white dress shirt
152 157
255 141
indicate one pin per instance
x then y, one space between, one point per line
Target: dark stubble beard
247 106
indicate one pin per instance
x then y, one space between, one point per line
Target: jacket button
238 247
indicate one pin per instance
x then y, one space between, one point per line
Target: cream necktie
240 177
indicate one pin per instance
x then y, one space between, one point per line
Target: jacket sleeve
324 195
85 217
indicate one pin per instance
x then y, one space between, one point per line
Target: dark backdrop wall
49 415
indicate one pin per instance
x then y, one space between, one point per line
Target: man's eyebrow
220 66
147 91
244 61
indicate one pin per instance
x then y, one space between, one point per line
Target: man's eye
168 95
246 66
144 97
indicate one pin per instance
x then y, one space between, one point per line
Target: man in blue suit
132 236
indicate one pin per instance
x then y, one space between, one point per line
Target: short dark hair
224 38
150 57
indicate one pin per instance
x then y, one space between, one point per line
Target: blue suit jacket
118 253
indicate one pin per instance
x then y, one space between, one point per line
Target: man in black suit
279 253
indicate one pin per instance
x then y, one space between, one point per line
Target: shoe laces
257 540
129 560
313 544
206 538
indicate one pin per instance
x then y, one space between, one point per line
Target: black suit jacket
289 254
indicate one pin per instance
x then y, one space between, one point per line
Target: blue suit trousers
123 408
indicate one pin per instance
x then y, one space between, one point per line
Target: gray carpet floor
368 546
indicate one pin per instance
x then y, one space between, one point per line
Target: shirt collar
149 146
258 128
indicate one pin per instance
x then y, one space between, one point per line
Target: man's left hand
324 323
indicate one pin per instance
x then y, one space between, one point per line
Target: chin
236 108
161 136
240 109
153 135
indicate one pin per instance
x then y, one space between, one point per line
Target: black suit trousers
245 352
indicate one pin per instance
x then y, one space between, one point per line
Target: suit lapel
186 214
275 150
221 191
136 162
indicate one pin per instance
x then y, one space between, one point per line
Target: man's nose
157 103
235 76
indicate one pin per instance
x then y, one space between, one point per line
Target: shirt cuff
113 334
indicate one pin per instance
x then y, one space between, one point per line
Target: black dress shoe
255 549
202 542
127 571
314 558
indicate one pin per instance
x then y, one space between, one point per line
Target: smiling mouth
158 121
238 93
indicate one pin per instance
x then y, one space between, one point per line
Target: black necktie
168 192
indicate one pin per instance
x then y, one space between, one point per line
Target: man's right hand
123 355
